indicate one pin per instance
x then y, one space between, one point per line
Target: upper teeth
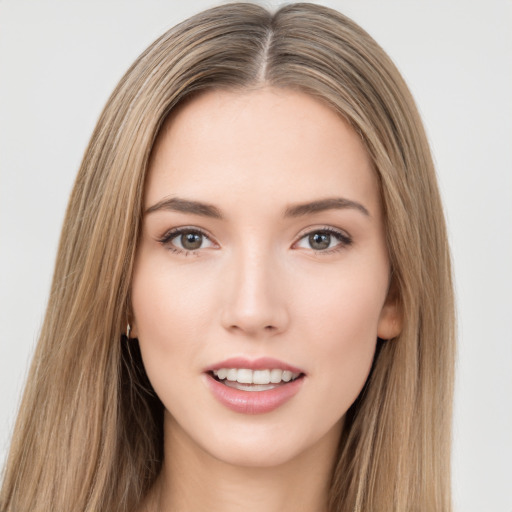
245 376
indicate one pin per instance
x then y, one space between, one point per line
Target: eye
324 240
186 240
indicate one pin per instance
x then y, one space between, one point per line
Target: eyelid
343 237
172 233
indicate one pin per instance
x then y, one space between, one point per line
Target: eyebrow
332 203
177 204
186 206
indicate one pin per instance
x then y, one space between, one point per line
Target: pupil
319 241
191 241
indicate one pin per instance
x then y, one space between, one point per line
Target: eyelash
170 235
343 239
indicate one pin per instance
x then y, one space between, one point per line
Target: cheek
169 315
344 305
167 302
341 323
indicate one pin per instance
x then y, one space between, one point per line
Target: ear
130 321
391 318
133 329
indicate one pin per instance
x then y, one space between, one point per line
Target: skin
255 287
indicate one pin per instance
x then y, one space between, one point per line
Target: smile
254 380
254 387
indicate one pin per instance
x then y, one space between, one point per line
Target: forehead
271 143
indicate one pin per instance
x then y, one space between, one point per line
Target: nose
255 300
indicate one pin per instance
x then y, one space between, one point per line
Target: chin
266 444
255 454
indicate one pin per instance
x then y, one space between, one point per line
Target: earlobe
131 330
390 320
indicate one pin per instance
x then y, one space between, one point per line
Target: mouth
254 386
245 379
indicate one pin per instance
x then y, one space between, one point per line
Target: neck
192 480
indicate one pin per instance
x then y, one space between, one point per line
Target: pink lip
253 402
263 363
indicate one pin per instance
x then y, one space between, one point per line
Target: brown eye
319 241
191 241
324 240
185 240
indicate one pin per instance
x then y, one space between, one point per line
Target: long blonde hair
89 432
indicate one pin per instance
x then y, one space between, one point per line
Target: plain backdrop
60 60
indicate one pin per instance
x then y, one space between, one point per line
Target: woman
252 302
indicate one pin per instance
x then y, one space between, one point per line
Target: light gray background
60 60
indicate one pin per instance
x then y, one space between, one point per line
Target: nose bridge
255 301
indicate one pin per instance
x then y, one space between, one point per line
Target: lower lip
253 402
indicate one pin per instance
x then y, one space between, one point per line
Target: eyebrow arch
177 204
332 203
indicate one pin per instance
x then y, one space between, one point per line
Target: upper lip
262 363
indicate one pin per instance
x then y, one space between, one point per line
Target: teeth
222 373
246 376
249 387
275 376
261 376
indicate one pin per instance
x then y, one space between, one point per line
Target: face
262 275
